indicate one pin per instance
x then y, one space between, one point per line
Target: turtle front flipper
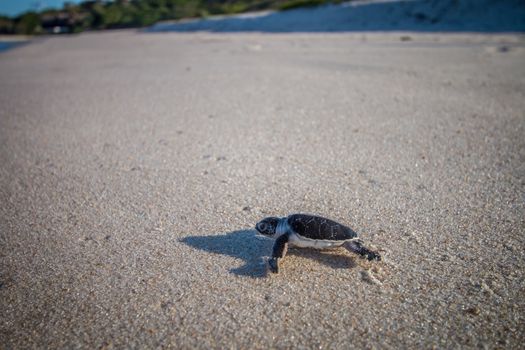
279 251
358 248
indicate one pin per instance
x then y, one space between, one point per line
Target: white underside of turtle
303 242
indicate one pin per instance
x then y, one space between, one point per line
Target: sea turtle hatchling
302 230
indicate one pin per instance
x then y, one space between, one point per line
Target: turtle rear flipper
358 248
279 251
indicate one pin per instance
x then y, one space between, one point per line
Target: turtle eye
261 226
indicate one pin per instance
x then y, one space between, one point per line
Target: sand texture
134 166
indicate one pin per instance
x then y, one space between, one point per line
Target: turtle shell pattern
319 228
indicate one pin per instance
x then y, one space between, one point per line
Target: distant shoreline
480 16
8 42
14 37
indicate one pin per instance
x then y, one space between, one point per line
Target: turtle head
267 226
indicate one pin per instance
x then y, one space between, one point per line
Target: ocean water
6 45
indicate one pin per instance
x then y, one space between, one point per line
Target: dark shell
319 228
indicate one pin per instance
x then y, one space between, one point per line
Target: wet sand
133 167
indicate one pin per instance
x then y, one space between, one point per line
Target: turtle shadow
334 258
246 245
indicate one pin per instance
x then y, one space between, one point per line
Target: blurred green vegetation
293 4
100 14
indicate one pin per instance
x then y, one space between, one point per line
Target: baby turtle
302 230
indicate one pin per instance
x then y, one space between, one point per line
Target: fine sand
134 166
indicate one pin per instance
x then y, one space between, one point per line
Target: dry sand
134 166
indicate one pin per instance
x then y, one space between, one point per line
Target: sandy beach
134 166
